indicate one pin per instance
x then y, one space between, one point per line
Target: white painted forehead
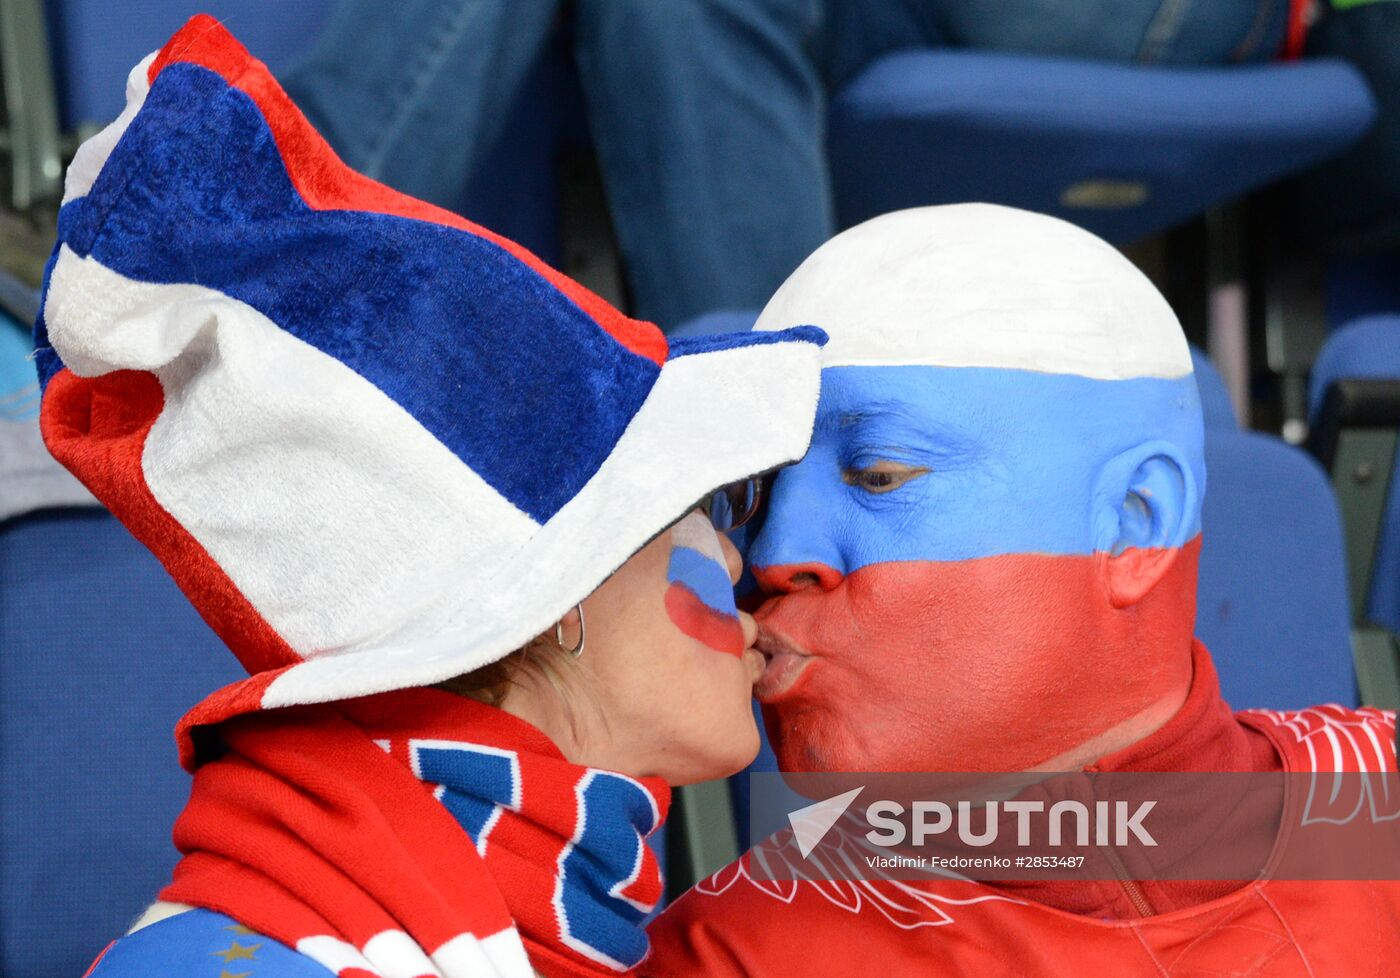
979 285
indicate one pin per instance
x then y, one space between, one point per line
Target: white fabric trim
333 954
363 541
93 153
501 954
158 911
716 417
396 955
979 285
339 517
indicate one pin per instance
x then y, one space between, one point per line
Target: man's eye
882 477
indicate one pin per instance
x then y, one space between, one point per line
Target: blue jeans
708 116
1351 204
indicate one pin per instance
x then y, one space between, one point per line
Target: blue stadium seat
101 655
1217 410
1123 150
1272 599
1369 349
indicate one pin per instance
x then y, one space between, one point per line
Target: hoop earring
577 650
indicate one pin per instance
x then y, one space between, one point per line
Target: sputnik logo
811 824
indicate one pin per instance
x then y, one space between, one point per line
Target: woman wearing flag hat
441 502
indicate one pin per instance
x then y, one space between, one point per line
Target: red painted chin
994 664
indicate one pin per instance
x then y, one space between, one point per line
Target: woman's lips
786 665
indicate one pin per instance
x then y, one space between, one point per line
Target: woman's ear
570 630
1146 509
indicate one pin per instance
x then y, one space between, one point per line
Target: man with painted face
987 562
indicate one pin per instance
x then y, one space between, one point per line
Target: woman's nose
732 560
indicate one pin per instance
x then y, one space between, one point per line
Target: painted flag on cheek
699 594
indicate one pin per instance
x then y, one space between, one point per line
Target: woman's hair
540 657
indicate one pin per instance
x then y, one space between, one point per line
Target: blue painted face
935 565
947 464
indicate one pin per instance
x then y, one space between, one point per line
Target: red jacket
731 924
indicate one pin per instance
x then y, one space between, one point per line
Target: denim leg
857 32
414 93
1180 32
709 121
1352 203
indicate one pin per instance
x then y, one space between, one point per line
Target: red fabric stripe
330 843
97 427
235 700
305 826
326 183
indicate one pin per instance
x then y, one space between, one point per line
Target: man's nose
795 548
787 578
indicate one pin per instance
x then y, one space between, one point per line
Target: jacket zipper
1130 887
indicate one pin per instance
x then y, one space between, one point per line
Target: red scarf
421 833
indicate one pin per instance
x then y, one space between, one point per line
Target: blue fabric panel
1272 601
196 192
102 654
203 944
684 346
1369 348
932 127
602 862
1217 411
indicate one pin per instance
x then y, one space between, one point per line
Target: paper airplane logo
811 824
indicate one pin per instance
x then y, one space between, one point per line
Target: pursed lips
785 664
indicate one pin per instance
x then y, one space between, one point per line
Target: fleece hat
375 444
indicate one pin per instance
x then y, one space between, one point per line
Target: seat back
1122 150
1272 599
1369 349
101 655
1217 410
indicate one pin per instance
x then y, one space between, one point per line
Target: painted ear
1146 510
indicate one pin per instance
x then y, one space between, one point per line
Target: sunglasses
731 506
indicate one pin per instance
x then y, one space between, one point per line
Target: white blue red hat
375 444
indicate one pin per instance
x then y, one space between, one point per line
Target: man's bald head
997 520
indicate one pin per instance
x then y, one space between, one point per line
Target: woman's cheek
699 595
